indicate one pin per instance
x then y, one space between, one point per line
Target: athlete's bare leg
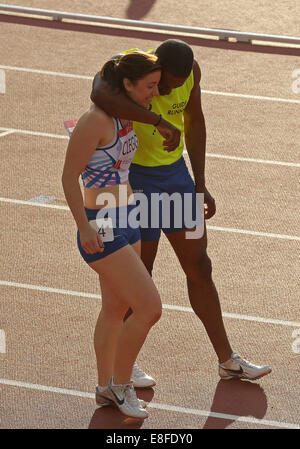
202 292
118 343
148 253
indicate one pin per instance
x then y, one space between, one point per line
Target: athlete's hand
90 240
209 205
170 133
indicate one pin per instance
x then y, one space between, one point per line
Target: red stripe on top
124 131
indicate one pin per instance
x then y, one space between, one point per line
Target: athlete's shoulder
196 72
96 116
94 124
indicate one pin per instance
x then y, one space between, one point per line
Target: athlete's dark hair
134 66
176 57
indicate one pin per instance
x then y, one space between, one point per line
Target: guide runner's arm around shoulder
118 104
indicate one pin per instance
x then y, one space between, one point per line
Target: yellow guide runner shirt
150 151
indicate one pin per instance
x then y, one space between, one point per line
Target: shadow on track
238 398
137 9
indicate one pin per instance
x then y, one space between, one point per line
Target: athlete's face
144 89
169 82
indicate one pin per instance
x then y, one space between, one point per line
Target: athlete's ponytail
109 72
134 66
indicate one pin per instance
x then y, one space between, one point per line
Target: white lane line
210 92
237 316
260 319
154 405
6 133
15 383
256 233
251 97
30 203
212 155
46 72
165 306
247 159
33 133
49 289
212 228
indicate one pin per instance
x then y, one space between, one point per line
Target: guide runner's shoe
238 368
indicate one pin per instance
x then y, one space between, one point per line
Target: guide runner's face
169 82
144 89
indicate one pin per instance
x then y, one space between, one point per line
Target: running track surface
50 298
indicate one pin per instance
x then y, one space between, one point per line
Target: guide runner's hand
209 205
170 133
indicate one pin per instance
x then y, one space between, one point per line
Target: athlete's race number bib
104 227
129 142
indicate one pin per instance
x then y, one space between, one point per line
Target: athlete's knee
156 315
113 313
200 270
149 315
153 315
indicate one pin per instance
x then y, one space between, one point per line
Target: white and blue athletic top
109 165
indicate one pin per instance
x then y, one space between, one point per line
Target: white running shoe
238 368
141 379
124 396
103 398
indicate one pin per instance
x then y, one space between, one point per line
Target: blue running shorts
123 233
167 198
